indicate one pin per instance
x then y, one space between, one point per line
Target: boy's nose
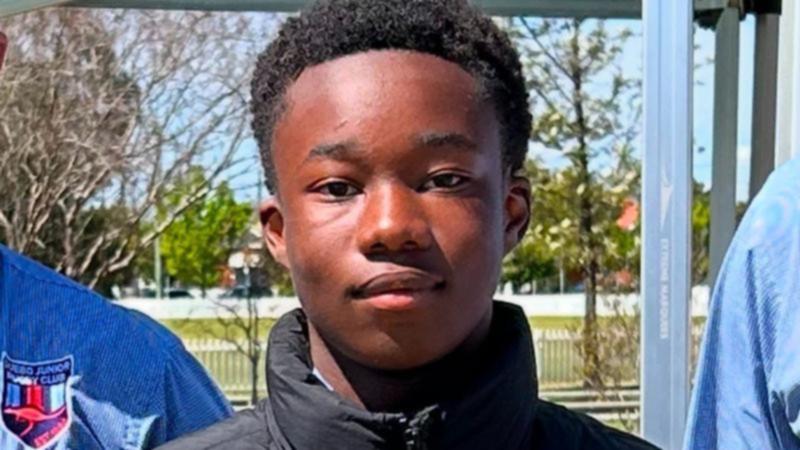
393 221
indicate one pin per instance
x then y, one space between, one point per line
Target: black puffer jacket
496 408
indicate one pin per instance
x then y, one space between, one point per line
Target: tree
198 243
587 108
99 112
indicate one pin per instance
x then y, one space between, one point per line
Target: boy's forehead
367 74
363 98
376 109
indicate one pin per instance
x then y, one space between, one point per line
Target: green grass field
210 328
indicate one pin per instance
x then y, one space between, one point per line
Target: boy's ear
273 230
517 211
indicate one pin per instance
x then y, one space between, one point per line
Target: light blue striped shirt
747 390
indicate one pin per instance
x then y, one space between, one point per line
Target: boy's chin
390 355
403 341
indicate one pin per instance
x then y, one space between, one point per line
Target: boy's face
393 213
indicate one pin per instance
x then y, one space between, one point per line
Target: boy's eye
338 189
445 181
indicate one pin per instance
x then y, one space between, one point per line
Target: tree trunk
254 378
591 357
590 264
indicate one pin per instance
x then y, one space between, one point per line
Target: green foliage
200 241
554 233
701 234
529 262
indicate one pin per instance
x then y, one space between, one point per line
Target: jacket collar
493 407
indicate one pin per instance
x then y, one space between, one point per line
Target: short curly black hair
453 30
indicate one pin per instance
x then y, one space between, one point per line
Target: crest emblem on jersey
36 403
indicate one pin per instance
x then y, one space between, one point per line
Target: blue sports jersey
81 373
747 391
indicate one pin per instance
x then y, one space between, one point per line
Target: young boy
392 133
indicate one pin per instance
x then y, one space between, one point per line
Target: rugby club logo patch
36 400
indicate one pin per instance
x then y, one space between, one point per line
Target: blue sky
631 62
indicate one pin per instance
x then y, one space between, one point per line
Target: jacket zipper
417 433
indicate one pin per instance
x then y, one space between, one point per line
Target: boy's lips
399 290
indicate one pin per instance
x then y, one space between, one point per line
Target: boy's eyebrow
445 139
347 150
341 151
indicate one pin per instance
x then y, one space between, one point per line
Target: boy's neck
395 391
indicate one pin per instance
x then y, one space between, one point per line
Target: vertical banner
666 192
